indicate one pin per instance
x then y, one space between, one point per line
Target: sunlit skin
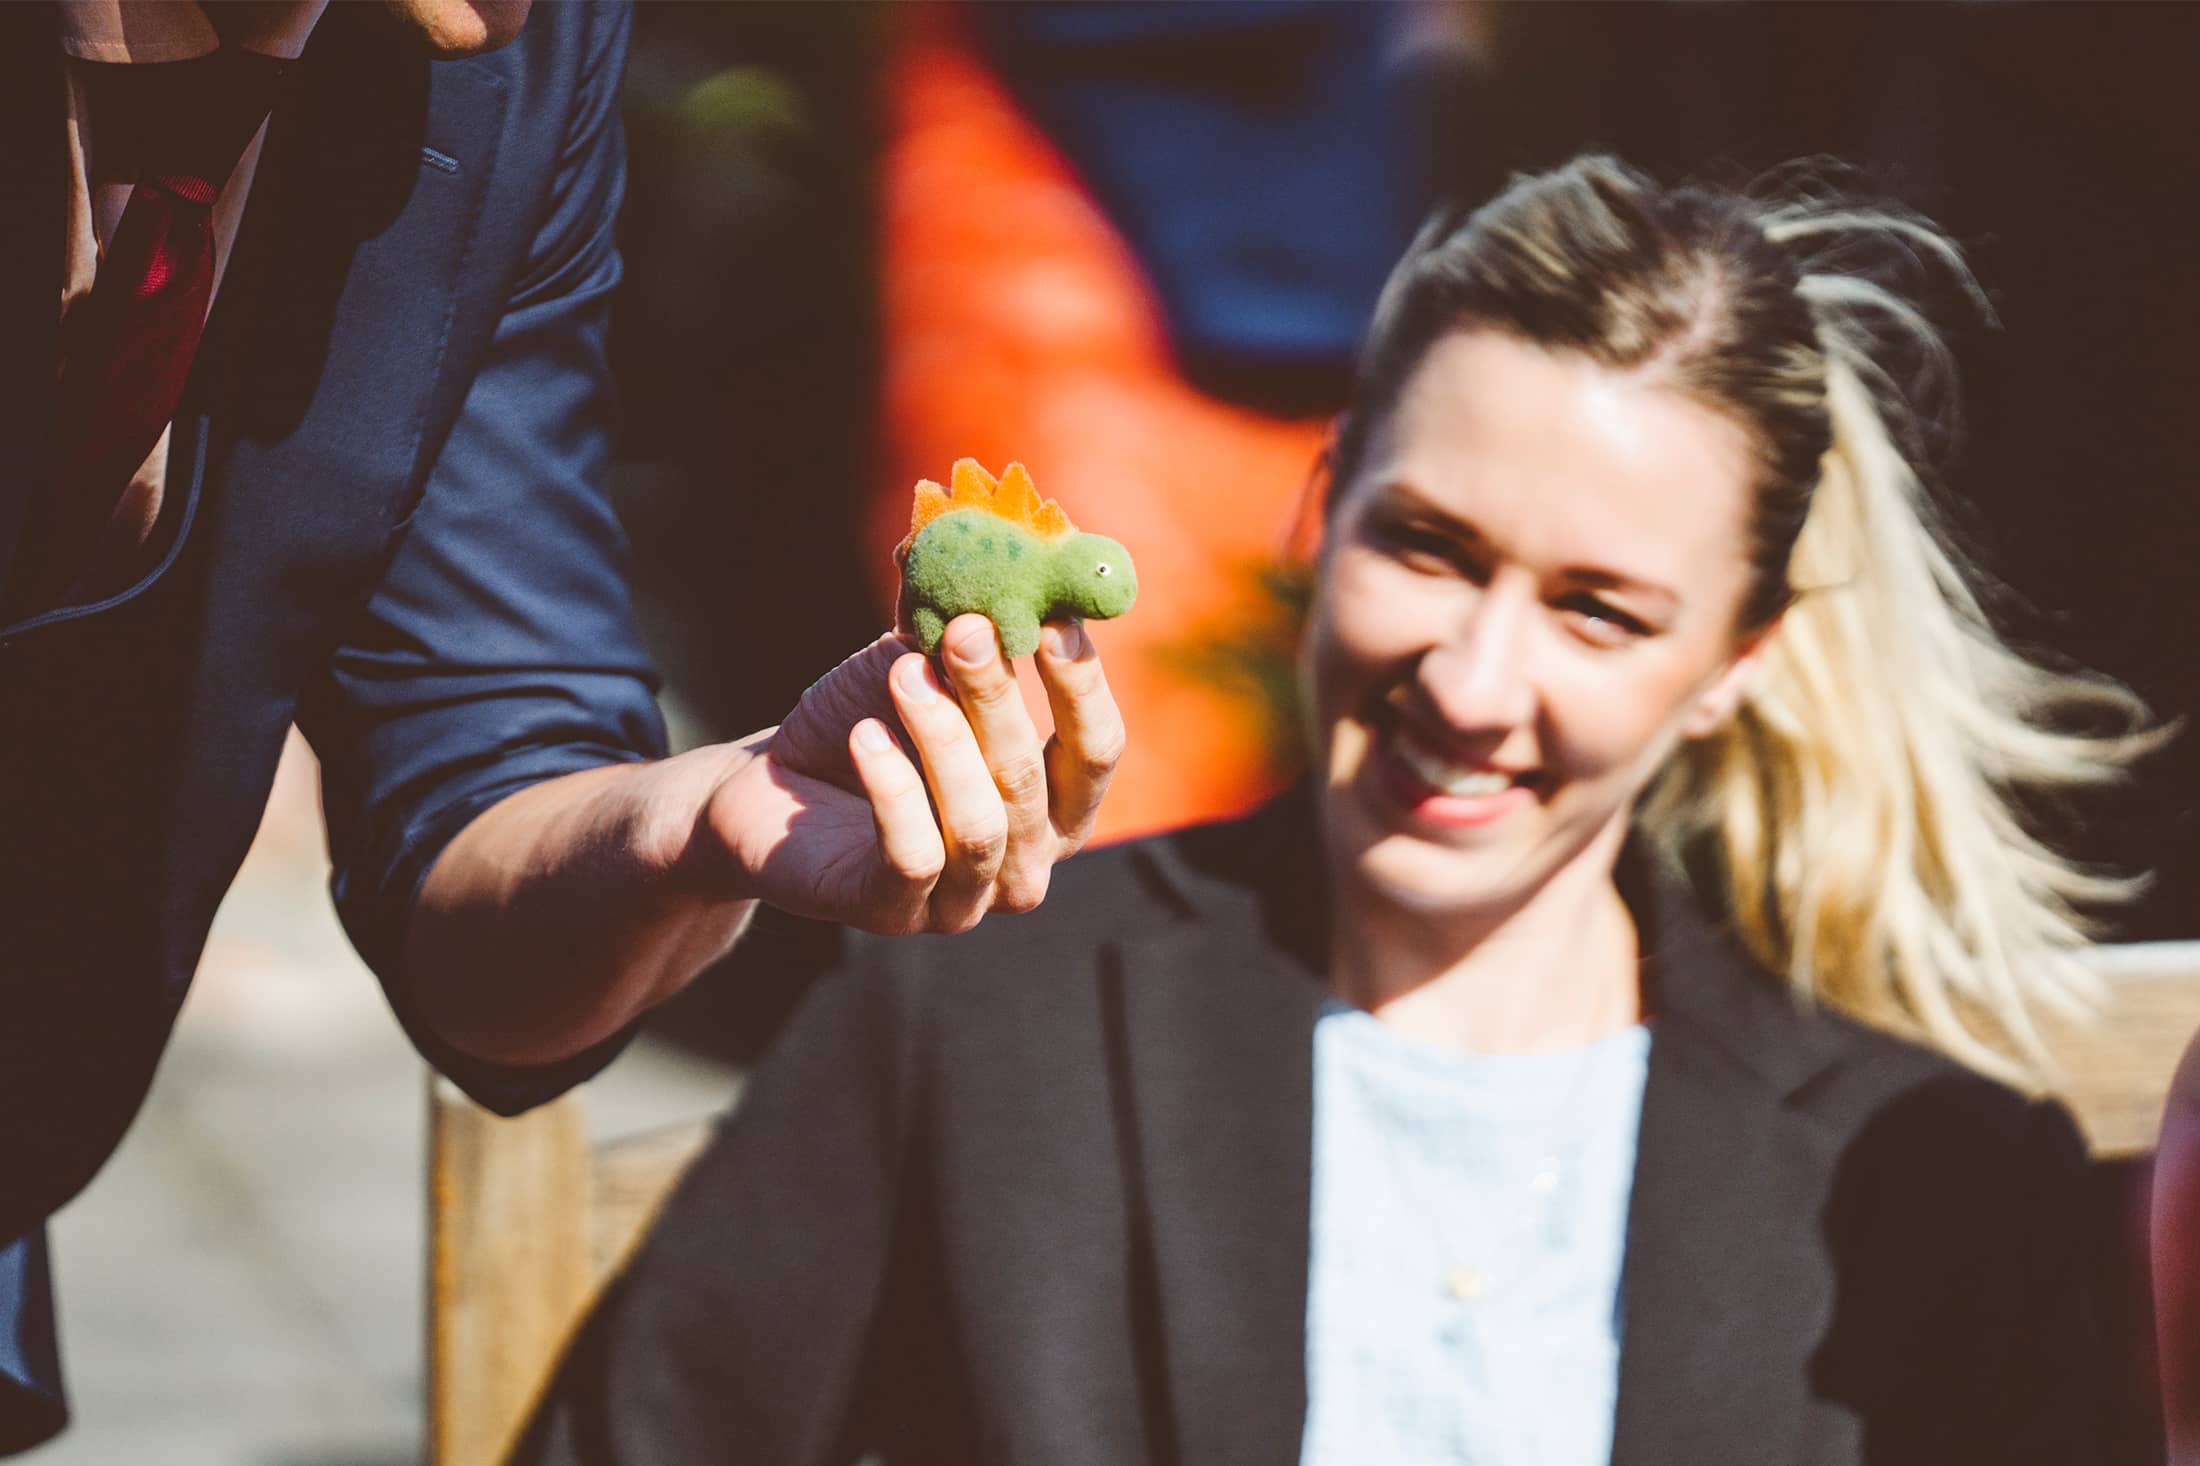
448 29
453 28
1534 577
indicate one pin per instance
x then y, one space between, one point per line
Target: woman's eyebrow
1403 497
1596 577
1399 495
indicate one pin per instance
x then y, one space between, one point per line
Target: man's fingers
911 852
813 737
973 824
1088 731
994 706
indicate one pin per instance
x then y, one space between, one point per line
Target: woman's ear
1718 700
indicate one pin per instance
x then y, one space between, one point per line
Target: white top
1469 1216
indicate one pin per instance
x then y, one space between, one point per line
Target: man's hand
563 912
830 816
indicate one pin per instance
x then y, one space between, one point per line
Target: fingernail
1069 641
973 644
872 737
916 681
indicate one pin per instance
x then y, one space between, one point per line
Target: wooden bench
527 1220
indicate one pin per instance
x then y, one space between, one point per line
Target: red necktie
128 345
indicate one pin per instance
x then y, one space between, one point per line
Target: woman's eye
1603 622
1420 547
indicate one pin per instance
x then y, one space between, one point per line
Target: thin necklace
1533 1212
1470 1273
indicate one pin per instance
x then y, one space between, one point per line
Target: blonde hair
1860 815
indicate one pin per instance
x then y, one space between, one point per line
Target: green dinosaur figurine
993 547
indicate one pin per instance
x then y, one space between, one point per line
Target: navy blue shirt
386 521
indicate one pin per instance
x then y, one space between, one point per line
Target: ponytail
1861 807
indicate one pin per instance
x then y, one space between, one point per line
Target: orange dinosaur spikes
932 502
972 484
1012 496
1016 500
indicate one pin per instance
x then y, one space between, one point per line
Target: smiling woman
1476 1103
1530 596
1620 517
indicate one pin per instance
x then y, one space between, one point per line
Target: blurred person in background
2175 1217
1612 1055
352 474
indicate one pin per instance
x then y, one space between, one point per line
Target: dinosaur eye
1103 569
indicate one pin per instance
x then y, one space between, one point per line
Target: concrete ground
243 1284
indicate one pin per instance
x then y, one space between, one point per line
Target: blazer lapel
1728 1287
1218 1025
370 195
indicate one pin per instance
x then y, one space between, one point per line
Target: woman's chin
1377 852
1384 841
1409 874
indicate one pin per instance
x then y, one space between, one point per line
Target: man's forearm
889 799
565 911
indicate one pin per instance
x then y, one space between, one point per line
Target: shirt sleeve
499 649
33 1407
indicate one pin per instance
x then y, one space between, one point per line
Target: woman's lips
1444 794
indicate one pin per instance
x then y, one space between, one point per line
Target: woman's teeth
1450 778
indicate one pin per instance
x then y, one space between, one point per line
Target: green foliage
743 104
1256 656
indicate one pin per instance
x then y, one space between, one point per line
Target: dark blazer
386 519
1040 1195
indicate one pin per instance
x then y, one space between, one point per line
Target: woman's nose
1478 678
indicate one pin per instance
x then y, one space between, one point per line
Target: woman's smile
1443 790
